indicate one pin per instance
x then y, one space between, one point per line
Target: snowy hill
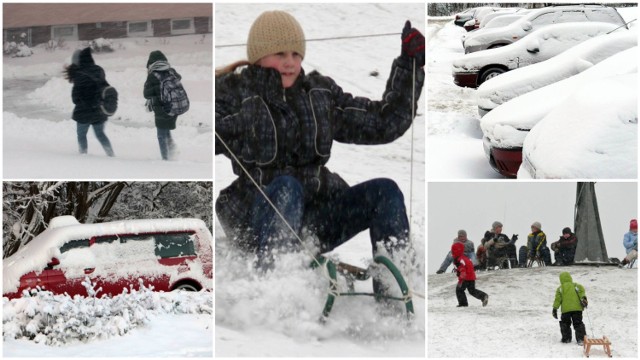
517 322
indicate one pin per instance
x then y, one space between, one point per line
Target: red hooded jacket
464 266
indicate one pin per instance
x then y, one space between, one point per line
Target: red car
168 254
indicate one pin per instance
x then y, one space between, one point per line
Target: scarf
159 65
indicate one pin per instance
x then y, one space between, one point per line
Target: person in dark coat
496 246
466 277
87 78
164 122
278 123
565 248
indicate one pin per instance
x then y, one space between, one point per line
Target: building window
139 28
66 32
182 26
98 25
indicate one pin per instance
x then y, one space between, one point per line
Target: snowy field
277 315
517 322
39 137
455 139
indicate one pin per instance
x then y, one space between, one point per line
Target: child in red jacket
466 277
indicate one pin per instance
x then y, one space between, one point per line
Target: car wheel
490 73
185 287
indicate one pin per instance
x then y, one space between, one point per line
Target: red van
167 254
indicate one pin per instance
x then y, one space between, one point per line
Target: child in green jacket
571 298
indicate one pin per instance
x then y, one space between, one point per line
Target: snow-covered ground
277 315
517 322
39 137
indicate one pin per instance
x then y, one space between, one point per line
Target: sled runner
596 341
353 273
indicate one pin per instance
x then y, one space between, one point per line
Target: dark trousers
98 129
471 286
167 146
566 319
377 205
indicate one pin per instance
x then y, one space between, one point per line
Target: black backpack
106 95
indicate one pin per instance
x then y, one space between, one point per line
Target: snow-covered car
506 127
480 14
571 62
502 12
538 19
593 134
168 254
462 17
471 70
496 22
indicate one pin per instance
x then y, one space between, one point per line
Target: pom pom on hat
273 32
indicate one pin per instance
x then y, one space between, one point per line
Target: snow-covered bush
101 45
56 320
17 49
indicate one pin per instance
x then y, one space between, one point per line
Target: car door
67 274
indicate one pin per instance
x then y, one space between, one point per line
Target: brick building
38 23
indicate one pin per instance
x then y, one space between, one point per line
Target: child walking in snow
279 123
571 299
466 277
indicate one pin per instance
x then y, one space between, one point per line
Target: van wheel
490 73
185 287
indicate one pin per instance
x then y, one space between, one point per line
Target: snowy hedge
56 320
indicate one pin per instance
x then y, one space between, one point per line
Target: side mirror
533 48
53 262
526 26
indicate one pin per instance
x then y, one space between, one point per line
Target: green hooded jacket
568 294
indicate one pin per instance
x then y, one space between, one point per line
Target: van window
572 16
74 244
605 15
545 19
174 245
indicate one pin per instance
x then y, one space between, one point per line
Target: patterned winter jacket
536 242
464 266
276 131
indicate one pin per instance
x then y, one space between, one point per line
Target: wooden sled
589 342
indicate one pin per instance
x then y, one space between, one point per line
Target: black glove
584 302
487 235
413 44
514 237
555 313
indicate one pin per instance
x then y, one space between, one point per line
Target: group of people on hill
89 80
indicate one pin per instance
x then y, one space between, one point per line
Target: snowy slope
39 137
517 322
283 308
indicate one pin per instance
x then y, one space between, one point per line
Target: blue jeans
166 143
377 205
98 129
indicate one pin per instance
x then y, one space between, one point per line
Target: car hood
514 83
591 135
507 125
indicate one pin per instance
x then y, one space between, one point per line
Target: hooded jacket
87 78
152 91
536 241
276 131
630 241
464 266
568 294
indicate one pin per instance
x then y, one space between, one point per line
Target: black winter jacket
152 92
276 131
87 79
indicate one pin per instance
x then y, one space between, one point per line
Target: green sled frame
362 275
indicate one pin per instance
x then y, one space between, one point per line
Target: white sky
473 206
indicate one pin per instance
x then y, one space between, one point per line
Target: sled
596 341
353 273
536 260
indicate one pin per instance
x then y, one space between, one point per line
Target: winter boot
485 300
580 332
439 271
565 330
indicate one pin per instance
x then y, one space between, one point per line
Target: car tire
490 73
186 287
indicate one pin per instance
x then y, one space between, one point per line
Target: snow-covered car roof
508 124
515 31
592 134
496 14
35 255
502 20
550 41
505 87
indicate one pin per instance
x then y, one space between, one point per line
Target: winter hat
85 58
566 230
462 233
154 56
495 225
537 225
273 32
457 250
633 225
75 58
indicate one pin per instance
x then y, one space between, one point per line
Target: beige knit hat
273 32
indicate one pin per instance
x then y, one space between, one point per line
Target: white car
506 127
502 12
500 21
593 134
538 19
471 70
503 88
